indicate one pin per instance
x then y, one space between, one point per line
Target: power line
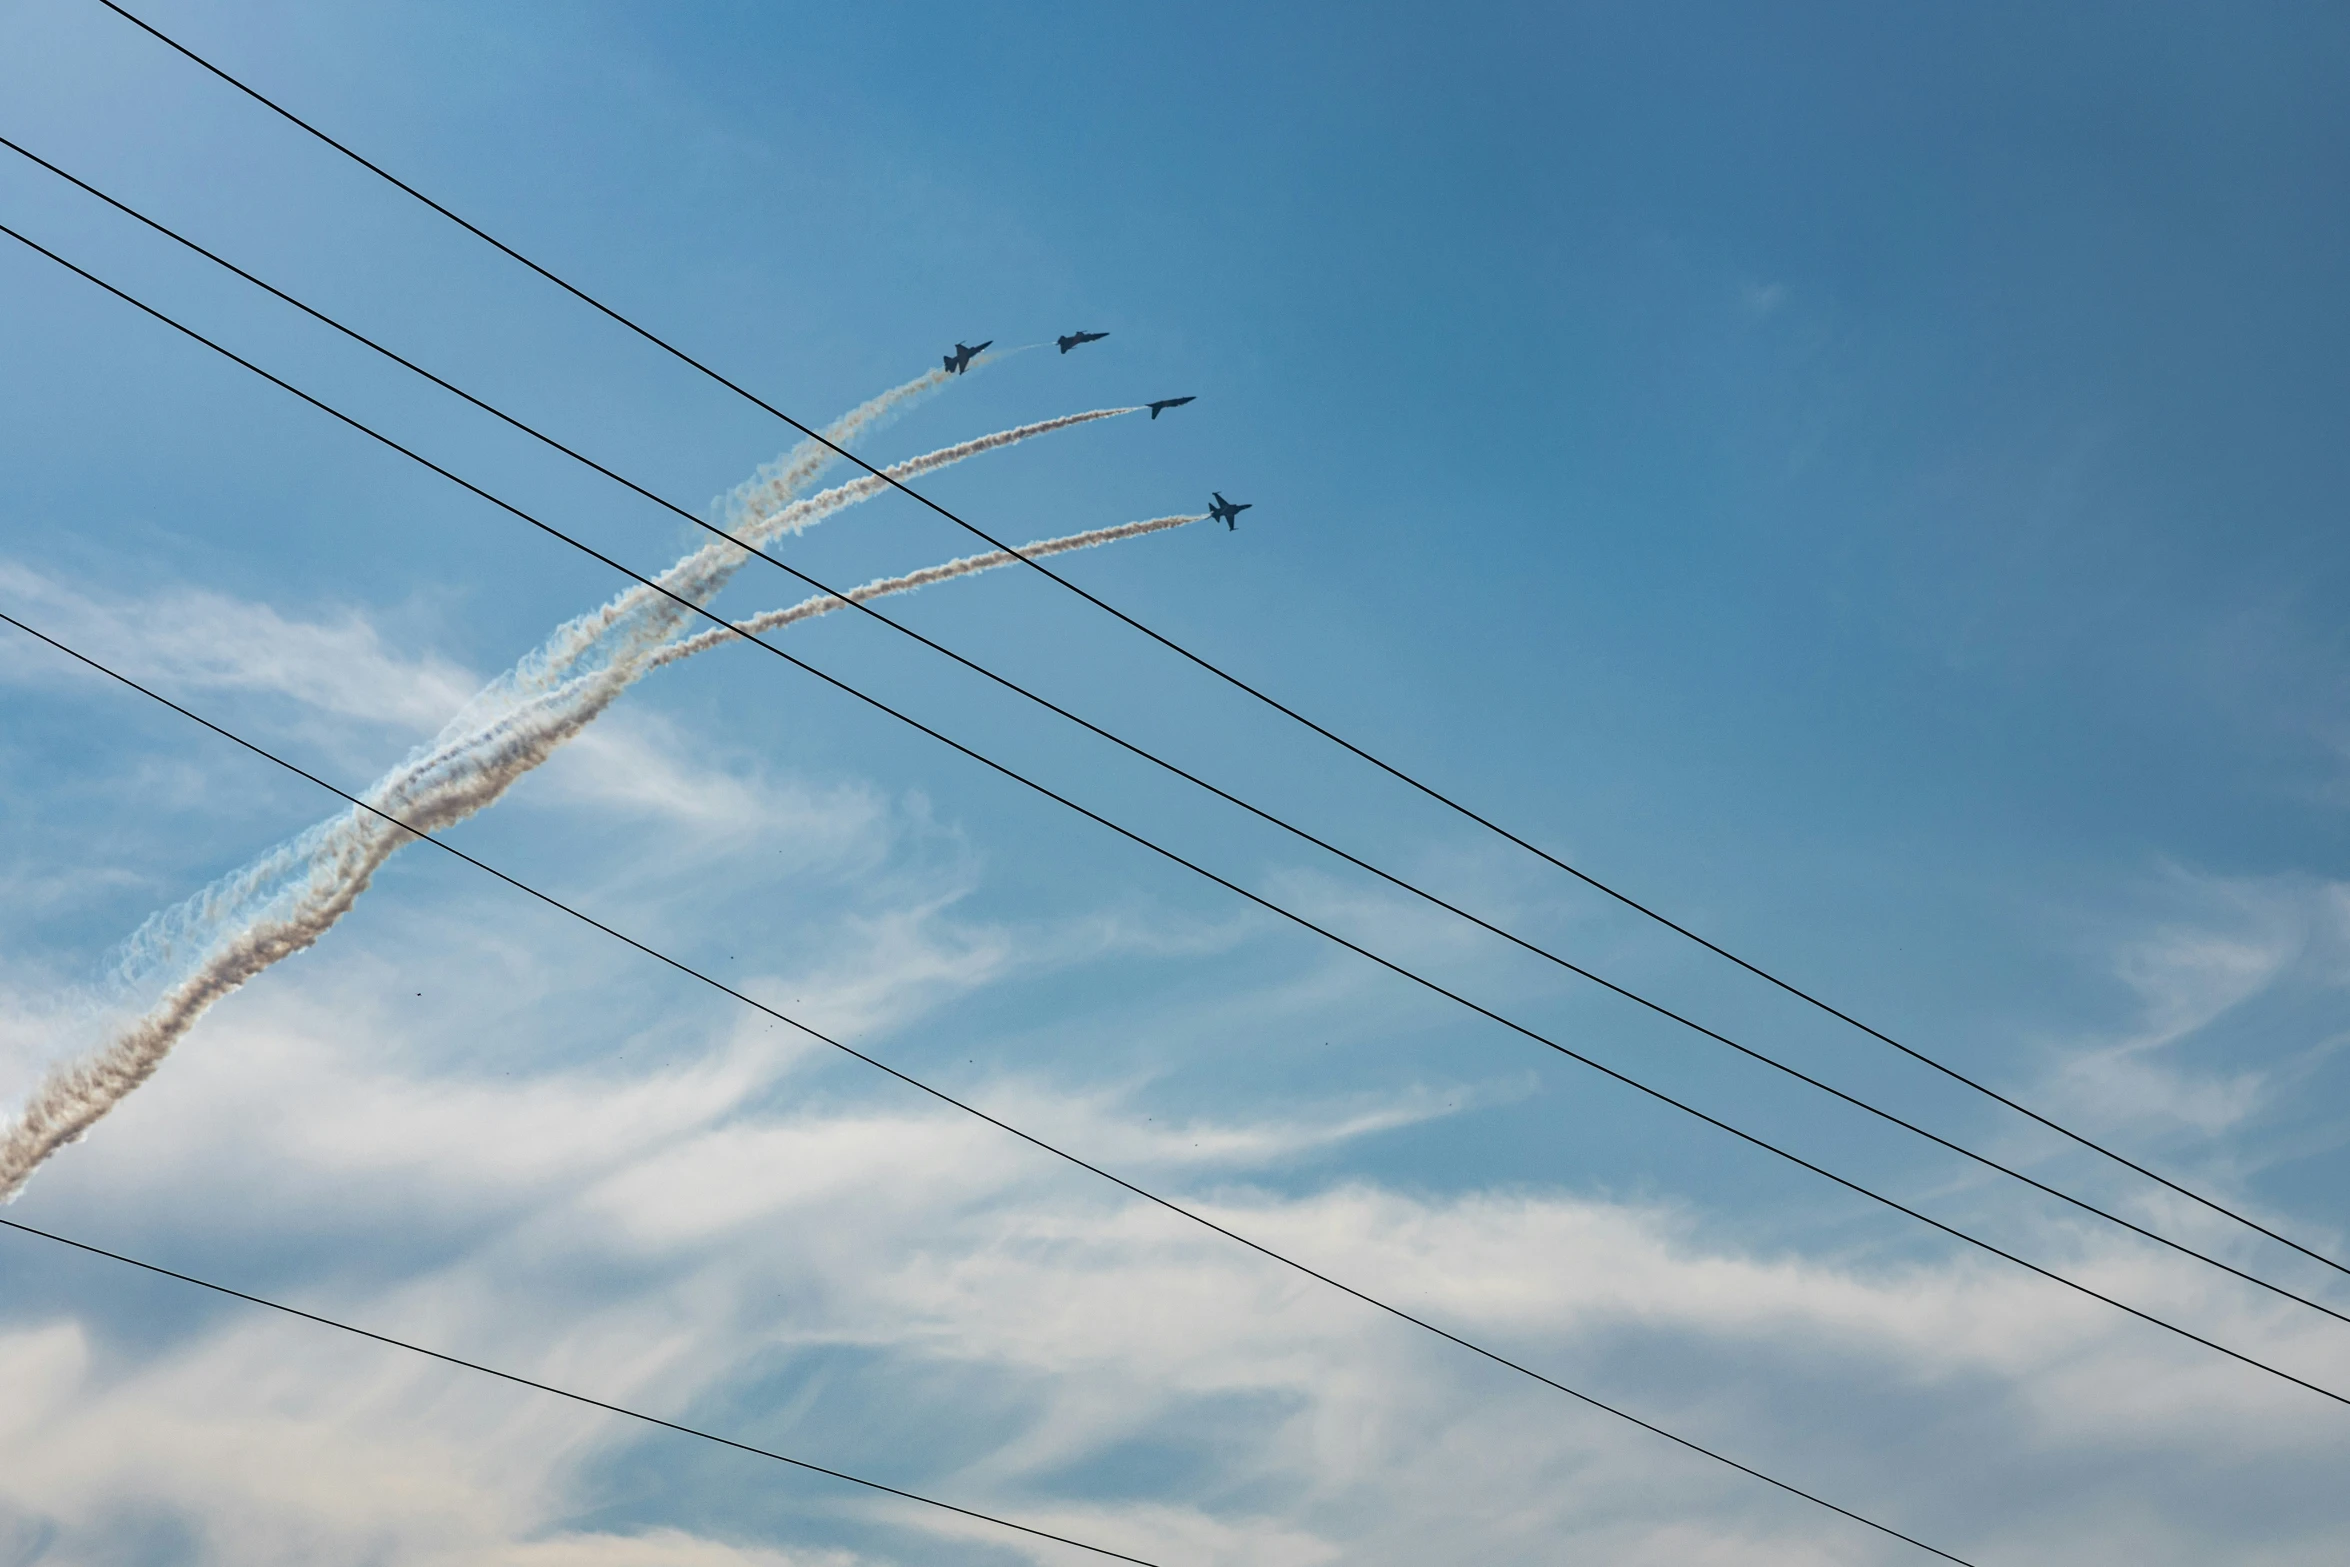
1263 815
1389 964
1229 678
967 1108
577 1398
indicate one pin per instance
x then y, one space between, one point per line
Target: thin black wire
1263 815
1168 854
577 1398
943 1097
1220 673
1157 849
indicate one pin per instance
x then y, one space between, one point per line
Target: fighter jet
960 360
1224 511
1075 338
1166 403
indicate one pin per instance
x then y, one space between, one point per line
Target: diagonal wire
577 1398
946 1098
1128 746
1225 675
1267 904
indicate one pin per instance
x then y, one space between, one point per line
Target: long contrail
496 758
270 910
639 619
709 568
773 487
504 724
826 603
564 710
305 884
177 937
780 482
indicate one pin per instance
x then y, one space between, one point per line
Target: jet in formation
1225 511
1075 338
960 360
1166 403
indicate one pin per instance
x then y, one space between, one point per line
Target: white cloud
709 1217
653 1548
637 764
679 1231
186 640
2223 944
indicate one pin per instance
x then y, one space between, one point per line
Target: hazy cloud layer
185 641
503 1137
712 1220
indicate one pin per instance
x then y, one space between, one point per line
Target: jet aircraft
960 360
1165 403
1224 511
1075 338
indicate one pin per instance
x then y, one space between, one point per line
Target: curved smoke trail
175 939
496 757
630 632
271 909
638 619
780 482
766 505
826 603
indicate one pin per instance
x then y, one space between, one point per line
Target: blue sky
1868 483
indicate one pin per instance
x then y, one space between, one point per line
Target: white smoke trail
639 618
826 603
176 939
270 910
604 651
498 756
535 694
613 640
181 958
779 483
772 488
710 567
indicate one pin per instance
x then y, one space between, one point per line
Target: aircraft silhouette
1166 403
1224 511
1075 338
960 360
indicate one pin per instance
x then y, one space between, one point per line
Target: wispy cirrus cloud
186 640
2215 956
698 1212
715 1222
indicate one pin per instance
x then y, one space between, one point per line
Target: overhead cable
1304 835
1428 790
577 1398
967 1108
1389 964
